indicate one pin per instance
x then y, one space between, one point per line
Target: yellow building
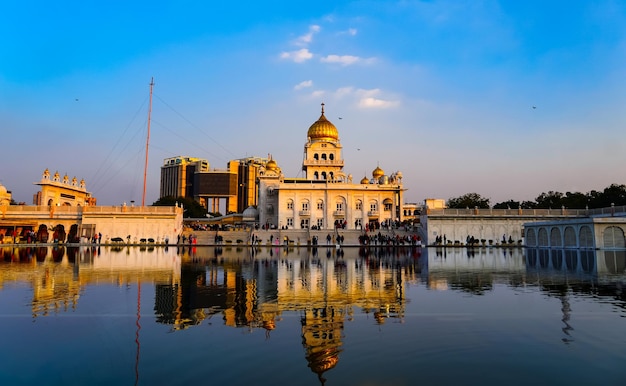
435 203
327 197
62 192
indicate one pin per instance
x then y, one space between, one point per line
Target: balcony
323 162
372 213
305 213
339 213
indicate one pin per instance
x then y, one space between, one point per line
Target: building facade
327 198
177 175
230 190
62 192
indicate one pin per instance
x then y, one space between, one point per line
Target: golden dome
323 129
378 172
365 181
271 165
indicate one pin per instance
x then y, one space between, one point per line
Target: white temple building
326 197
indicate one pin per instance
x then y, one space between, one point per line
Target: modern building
177 175
232 189
326 197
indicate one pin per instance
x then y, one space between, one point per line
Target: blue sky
442 91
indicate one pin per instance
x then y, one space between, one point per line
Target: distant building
62 192
177 175
326 197
435 203
234 189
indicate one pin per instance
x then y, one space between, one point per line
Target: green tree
510 204
550 200
575 200
192 208
468 200
614 194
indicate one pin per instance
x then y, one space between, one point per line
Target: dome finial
322 108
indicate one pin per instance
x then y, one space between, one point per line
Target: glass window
289 204
320 205
290 221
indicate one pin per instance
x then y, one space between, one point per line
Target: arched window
324 156
570 237
555 237
316 156
585 237
316 176
323 175
543 237
331 156
613 237
531 238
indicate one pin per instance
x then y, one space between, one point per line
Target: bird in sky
534 107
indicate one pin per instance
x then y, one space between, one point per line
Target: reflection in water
252 288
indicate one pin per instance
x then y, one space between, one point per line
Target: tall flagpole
145 169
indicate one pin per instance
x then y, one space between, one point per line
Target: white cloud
307 38
343 92
350 31
303 84
368 100
374 103
345 60
298 56
317 93
365 99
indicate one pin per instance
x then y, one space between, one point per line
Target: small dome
378 172
365 181
250 213
271 165
323 129
3 190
